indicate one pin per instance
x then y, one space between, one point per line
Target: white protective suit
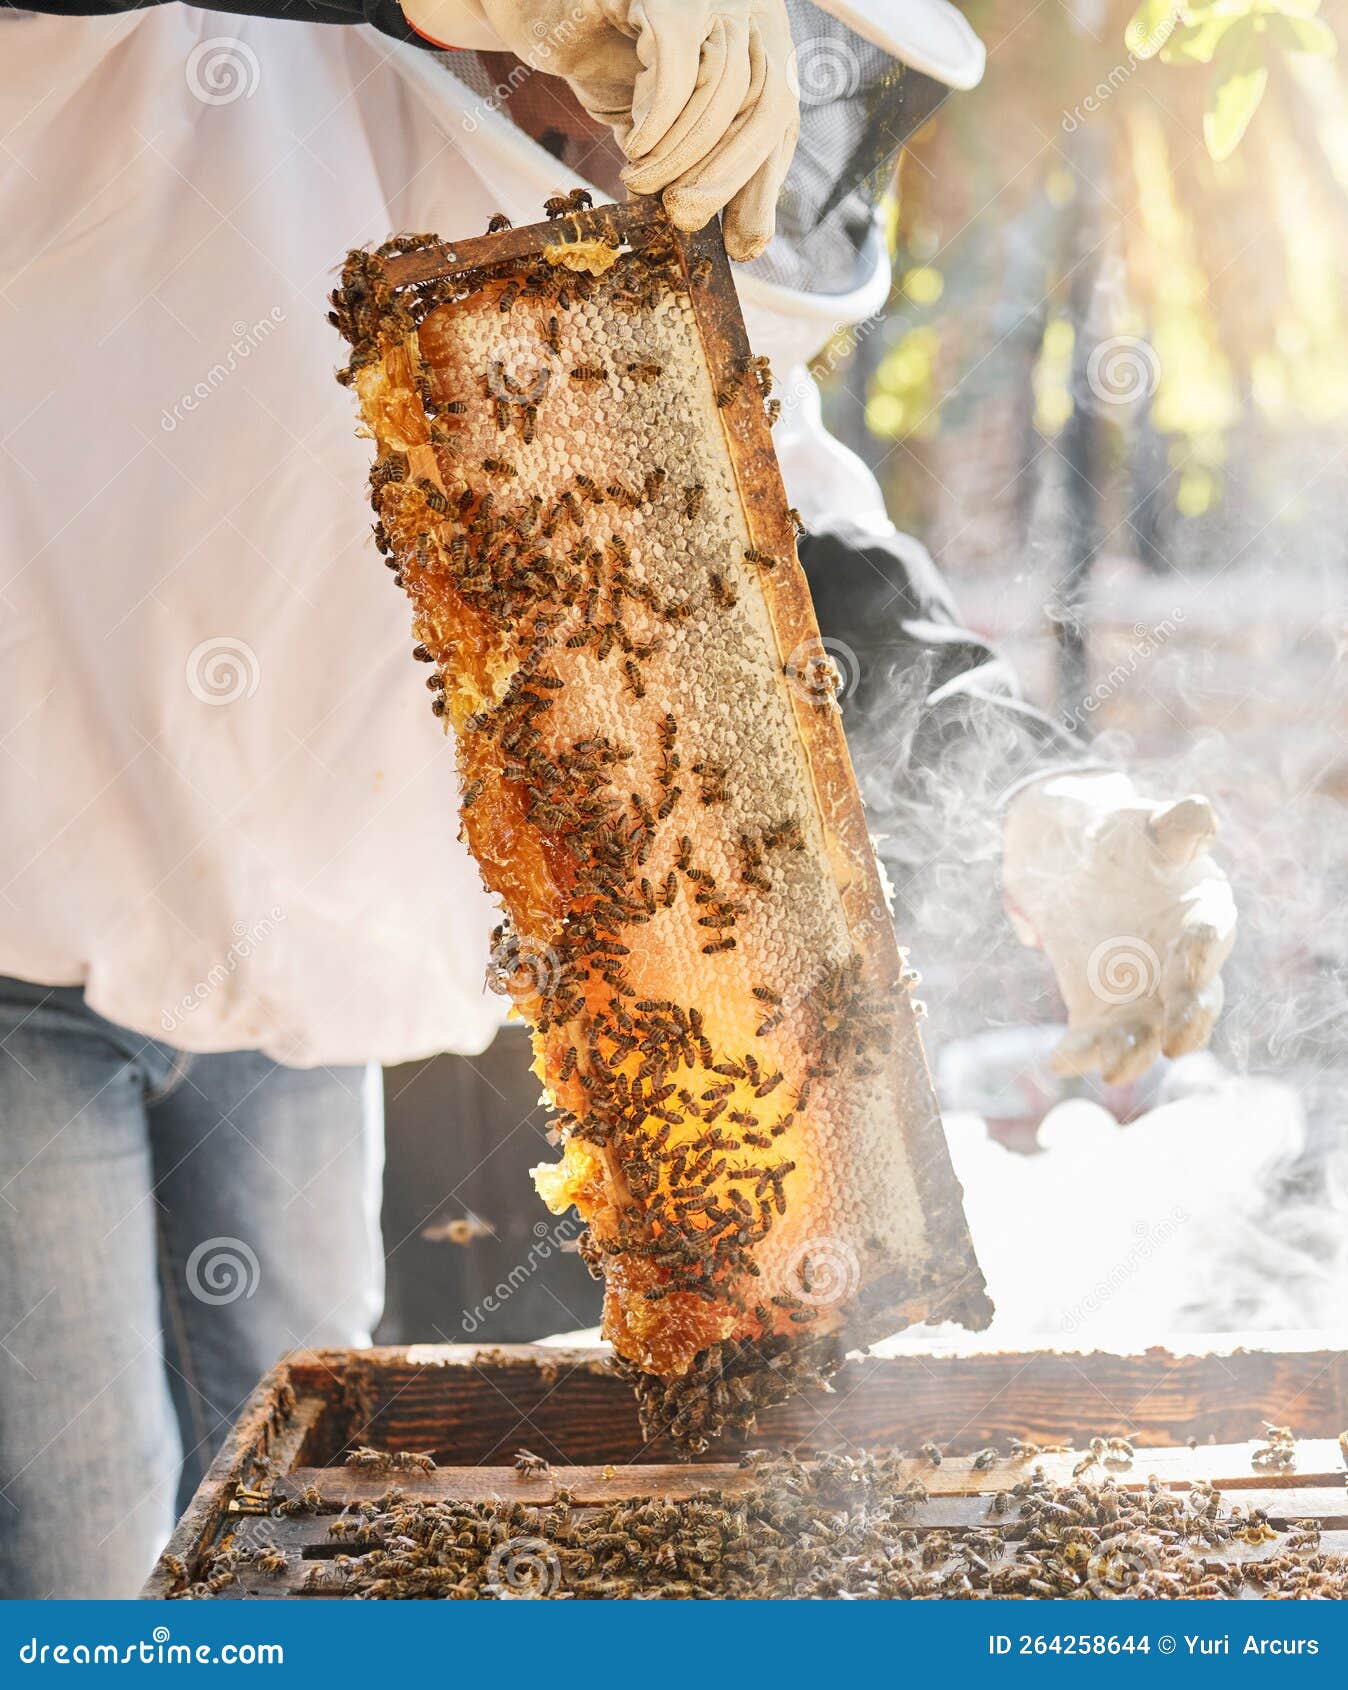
229 814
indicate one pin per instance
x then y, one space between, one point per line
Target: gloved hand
699 92
1136 918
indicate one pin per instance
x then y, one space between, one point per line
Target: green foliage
1239 78
1235 37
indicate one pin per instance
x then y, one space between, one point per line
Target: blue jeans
169 1225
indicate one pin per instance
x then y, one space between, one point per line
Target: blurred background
1109 392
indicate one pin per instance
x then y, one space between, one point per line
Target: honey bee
722 592
499 466
932 1453
432 495
764 560
645 372
498 221
309 1501
761 370
411 1461
528 1463
587 374
461 1229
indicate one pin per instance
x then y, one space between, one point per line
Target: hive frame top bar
961 1294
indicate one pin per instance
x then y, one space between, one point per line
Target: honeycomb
576 489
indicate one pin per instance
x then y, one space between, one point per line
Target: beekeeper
231 882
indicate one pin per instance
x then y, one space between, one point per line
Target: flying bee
461 1229
932 1453
528 1463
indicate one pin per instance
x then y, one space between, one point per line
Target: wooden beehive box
473 1408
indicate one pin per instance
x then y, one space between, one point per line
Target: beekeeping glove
1125 900
700 93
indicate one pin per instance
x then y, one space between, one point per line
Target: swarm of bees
836 1526
599 584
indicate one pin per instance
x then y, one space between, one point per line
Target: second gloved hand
700 93
1136 918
